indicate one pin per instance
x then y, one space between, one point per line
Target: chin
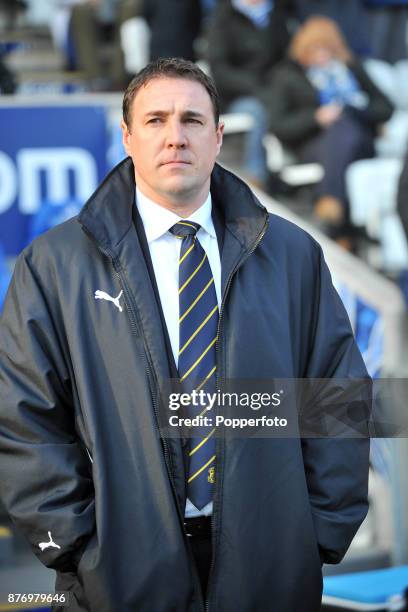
181 187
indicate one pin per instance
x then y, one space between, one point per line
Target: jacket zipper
129 303
217 378
149 368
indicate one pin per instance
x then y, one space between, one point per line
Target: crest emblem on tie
211 475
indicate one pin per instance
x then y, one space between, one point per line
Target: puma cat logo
101 295
50 544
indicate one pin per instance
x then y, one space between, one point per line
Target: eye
193 120
154 120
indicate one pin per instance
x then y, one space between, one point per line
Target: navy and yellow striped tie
198 325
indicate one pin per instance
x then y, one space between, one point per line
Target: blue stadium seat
374 590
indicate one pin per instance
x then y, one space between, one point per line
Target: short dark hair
172 67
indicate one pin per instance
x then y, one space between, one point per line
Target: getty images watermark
285 408
208 401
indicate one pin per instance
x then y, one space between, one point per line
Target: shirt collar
157 220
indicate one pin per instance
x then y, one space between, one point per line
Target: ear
219 135
126 137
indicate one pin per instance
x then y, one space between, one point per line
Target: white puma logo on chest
102 295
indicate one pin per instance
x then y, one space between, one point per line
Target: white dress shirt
165 254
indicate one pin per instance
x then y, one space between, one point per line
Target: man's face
173 141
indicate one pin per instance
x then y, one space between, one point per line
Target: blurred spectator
84 41
323 106
7 80
10 11
174 26
76 31
246 39
346 13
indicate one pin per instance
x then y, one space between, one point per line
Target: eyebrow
185 115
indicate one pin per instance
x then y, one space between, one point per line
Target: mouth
176 162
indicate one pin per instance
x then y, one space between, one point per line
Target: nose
176 137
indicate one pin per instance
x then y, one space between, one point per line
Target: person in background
77 31
324 107
246 39
10 11
7 79
174 26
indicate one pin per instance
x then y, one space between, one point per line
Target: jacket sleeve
336 468
45 477
379 108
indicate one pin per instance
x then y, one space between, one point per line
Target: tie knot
185 228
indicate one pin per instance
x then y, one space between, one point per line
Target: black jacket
291 102
80 453
241 54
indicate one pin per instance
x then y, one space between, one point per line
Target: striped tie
198 324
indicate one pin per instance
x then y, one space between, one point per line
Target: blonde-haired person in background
324 107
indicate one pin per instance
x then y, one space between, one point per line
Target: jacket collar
107 215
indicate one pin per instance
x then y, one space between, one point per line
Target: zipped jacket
84 472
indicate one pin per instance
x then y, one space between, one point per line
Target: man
95 322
